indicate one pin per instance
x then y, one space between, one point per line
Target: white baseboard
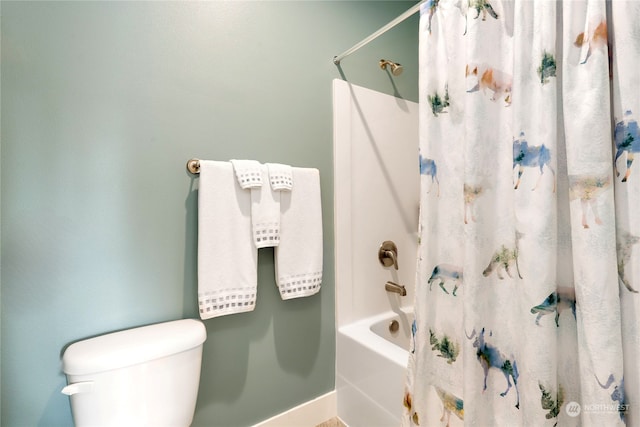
308 414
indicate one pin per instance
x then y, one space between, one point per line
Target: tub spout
394 287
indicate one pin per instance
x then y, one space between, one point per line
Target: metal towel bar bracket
193 166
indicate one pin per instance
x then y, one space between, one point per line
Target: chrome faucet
394 287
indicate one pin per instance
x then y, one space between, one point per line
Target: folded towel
227 258
299 255
265 214
280 176
248 172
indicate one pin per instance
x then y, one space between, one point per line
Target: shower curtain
527 303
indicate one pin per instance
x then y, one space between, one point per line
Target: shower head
396 69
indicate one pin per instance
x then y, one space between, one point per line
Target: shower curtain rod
399 19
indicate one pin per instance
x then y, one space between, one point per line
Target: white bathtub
371 365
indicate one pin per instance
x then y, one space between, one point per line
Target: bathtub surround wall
102 105
377 179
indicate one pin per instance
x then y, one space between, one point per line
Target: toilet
146 376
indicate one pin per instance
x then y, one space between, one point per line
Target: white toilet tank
146 376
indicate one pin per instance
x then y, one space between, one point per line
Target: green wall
102 105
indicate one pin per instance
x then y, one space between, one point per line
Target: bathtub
371 365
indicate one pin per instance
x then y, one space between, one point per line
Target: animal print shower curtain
527 305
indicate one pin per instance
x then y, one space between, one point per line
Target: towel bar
193 166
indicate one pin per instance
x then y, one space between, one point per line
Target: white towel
299 255
227 258
280 176
265 214
248 173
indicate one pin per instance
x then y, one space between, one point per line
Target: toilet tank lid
132 346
